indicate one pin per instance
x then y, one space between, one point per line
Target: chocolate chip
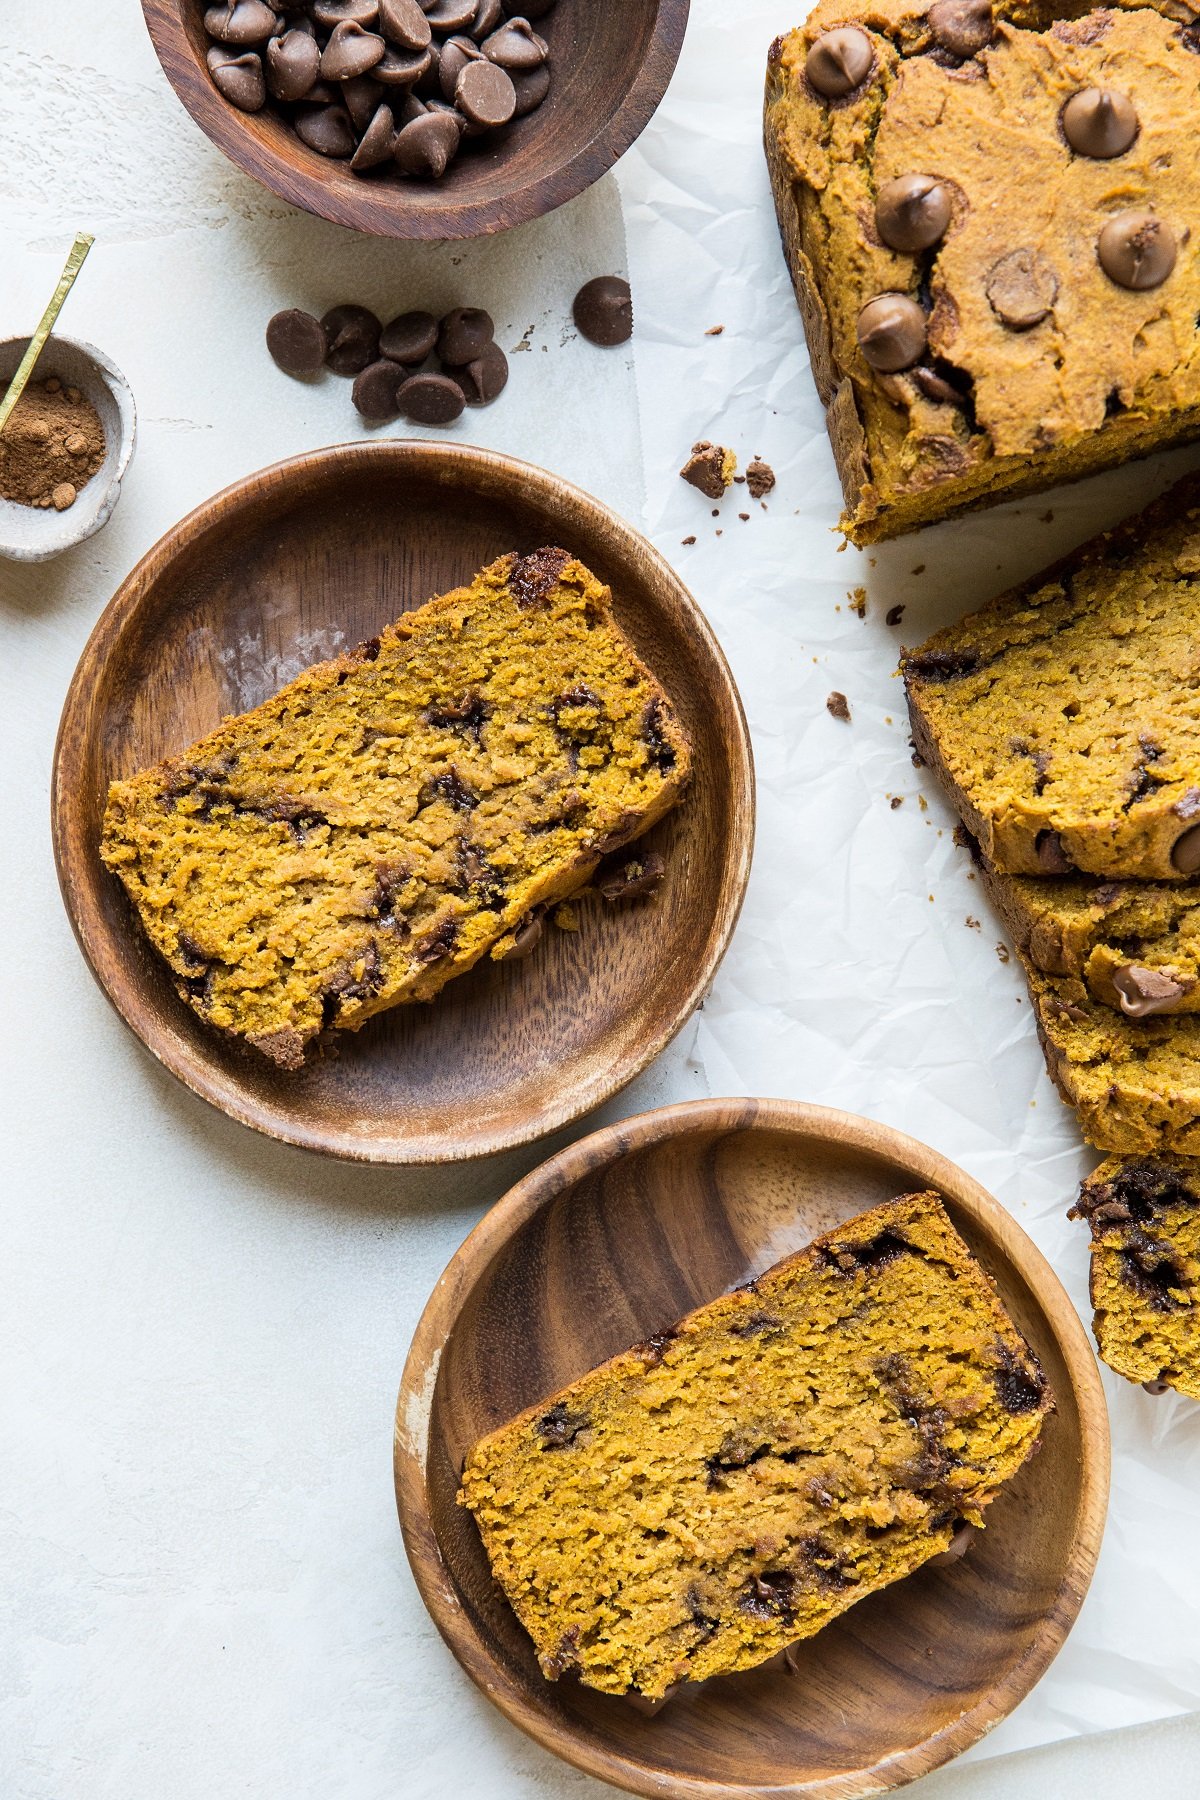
1145 992
838 706
1136 249
962 27
1157 1387
559 1427
531 87
292 62
409 338
769 1595
331 13
403 23
488 15
456 53
240 22
603 310
360 96
464 334
375 145
239 79
515 46
485 95
1021 289
1186 854
352 336
484 378
296 342
633 878
1099 122
350 51
839 61
1052 859
450 15
402 68
935 387
912 212
375 391
430 399
525 937
426 145
329 130
891 332
1020 1390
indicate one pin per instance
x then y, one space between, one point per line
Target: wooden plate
610 65
613 1240
279 571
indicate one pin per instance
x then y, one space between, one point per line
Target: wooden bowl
610 67
281 570
614 1239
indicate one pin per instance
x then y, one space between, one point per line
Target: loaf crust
991 411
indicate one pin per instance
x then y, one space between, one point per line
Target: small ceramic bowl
27 534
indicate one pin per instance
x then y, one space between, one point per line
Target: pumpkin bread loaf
1063 718
395 814
695 1504
1145 1275
990 212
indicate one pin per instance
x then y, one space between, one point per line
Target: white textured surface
202 1332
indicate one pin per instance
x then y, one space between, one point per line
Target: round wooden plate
614 1239
283 569
610 65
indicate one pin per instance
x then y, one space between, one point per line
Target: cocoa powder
52 444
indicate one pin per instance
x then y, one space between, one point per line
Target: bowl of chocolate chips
432 119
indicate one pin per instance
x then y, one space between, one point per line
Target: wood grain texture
614 1239
610 65
282 570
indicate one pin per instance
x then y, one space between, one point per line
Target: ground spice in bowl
51 446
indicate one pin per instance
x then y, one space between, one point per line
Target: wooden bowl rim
381 211
73 856
597 1152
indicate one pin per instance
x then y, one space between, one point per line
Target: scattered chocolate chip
485 95
404 24
240 22
430 399
1021 289
296 342
329 130
410 338
450 15
376 391
1186 854
329 13
963 27
894 614
456 53
838 706
402 68
839 61
239 78
1145 992
350 51
352 338
891 331
1136 249
632 878
1099 122
709 468
426 145
912 213
603 310
464 334
484 378
760 477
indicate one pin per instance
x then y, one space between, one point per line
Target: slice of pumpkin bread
700 1501
1134 944
1145 1274
1134 1083
1064 717
393 815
